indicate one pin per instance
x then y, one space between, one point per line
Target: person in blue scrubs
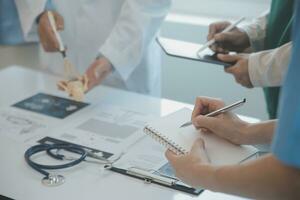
286 144
273 176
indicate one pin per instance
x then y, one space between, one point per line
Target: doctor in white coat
28 12
18 31
119 33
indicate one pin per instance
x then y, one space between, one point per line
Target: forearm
260 133
268 68
135 29
265 178
256 31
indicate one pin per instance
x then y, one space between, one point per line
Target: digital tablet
188 50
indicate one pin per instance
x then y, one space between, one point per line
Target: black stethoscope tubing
48 148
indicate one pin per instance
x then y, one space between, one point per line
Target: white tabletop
85 181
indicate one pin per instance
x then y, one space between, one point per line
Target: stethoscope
51 179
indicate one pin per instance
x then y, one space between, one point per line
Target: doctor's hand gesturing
240 70
98 71
46 34
235 40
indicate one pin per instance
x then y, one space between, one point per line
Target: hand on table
187 167
98 71
240 69
226 125
46 33
235 40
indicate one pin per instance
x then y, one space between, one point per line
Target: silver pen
219 111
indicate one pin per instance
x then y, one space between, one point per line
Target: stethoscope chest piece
53 180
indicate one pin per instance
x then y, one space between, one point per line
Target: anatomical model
74 84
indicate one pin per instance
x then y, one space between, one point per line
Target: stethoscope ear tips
53 180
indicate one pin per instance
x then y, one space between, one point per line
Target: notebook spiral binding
163 140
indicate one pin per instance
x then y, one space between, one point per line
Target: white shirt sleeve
28 11
268 68
136 28
256 31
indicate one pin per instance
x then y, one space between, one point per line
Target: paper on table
146 154
23 126
220 151
105 127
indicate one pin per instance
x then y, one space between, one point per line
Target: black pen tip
63 53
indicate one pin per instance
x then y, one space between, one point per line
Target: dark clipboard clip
149 177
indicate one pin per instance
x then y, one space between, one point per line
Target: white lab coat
122 30
28 11
266 68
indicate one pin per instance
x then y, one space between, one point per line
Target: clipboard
188 50
162 177
5 198
150 177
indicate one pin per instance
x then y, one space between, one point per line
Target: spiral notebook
167 131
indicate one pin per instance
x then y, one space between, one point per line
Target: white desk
85 181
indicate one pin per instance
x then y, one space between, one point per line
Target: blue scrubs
10 28
286 143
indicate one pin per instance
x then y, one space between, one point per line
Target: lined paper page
220 151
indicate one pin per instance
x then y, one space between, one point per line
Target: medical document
24 126
146 154
49 105
105 127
